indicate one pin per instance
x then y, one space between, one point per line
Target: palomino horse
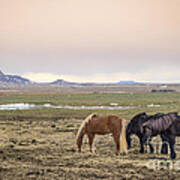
102 125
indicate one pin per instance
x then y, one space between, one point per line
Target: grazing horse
168 126
170 136
135 127
102 125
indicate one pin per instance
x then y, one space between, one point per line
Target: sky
91 40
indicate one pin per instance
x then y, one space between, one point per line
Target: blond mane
81 130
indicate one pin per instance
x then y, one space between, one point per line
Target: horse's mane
160 115
160 121
135 119
81 130
155 116
140 114
136 122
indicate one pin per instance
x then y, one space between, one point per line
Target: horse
170 136
168 126
102 125
135 127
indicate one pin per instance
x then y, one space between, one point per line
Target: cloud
48 77
41 77
162 75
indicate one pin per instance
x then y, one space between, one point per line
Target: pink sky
97 40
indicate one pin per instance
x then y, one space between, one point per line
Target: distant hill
127 82
67 83
13 79
18 80
64 83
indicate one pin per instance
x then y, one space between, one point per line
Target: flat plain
40 143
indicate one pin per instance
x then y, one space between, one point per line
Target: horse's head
137 121
134 126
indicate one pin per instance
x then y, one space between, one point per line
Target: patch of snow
153 105
114 104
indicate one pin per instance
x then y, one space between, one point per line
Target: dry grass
46 150
40 144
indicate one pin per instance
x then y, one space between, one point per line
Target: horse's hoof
173 156
124 153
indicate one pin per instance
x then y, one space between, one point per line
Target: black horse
135 127
168 126
170 136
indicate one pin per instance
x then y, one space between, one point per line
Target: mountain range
18 80
13 79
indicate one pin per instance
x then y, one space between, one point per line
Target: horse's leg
128 139
117 139
141 144
171 144
146 138
91 138
150 146
164 148
128 136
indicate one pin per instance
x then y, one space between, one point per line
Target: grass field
140 101
40 143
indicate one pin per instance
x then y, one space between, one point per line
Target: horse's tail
123 142
82 130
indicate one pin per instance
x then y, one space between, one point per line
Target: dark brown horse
168 126
102 125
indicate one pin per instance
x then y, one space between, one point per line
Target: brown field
46 150
40 144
